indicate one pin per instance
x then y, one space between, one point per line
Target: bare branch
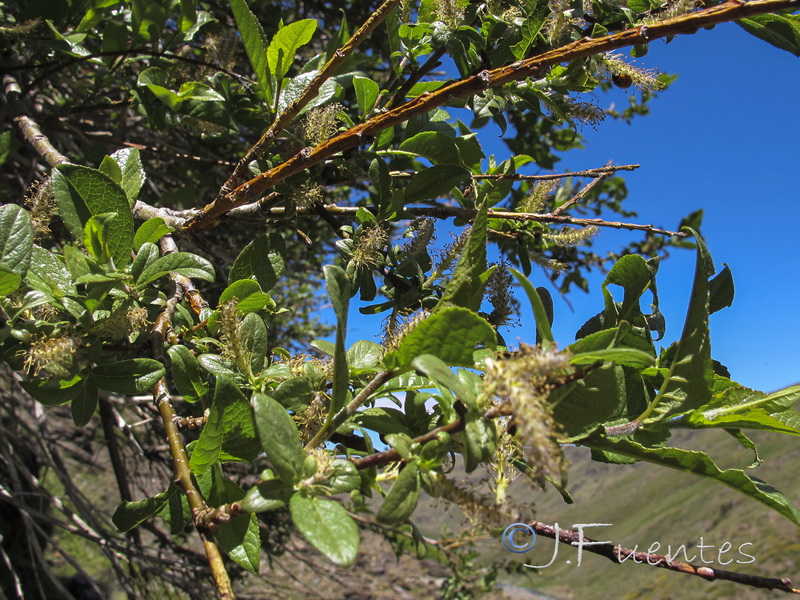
619 554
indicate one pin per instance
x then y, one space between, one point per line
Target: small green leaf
249 295
262 259
720 291
132 376
131 514
480 440
16 240
151 231
183 263
327 527
253 38
96 234
441 374
186 373
543 320
434 182
366 94
622 356
240 540
402 499
339 292
279 437
132 173
364 355
465 287
85 403
285 43
450 334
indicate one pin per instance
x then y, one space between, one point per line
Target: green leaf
436 146
133 175
597 398
622 356
48 274
364 355
480 440
249 295
339 292
261 260
132 376
782 31
402 498
253 334
151 231
240 540
186 373
229 432
288 39
543 320
366 94
9 282
16 240
96 234
131 514
85 403
687 385
737 407
450 334
253 39
720 291
279 437
698 463
183 263
81 193
327 527
434 182
465 287
441 374
52 392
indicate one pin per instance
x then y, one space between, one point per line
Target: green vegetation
199 178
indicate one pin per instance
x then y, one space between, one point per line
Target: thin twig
349 410
446 212
550 176
619 554
581 194
468 86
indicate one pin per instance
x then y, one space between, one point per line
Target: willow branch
609 169
28 127
619 554
349 410
307 96
468 86
446 212
180 460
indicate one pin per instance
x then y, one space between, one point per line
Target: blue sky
722 138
